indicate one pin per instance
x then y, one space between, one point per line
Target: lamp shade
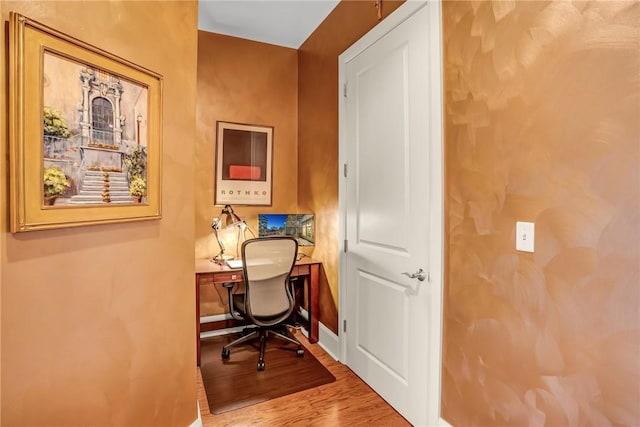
225 220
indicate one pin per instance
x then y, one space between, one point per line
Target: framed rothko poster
244 161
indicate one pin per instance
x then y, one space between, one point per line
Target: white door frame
436 243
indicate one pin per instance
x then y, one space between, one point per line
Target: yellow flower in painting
55 124
55 181
137 187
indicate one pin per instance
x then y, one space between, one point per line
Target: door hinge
344 325
344 89
344 170
346 245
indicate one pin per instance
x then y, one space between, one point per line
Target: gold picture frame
84 131
244 164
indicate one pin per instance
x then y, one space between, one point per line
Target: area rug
236 383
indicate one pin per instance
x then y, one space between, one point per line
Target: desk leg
197 320
314 303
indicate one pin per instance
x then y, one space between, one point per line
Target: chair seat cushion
238 302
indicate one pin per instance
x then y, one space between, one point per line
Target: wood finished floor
346 402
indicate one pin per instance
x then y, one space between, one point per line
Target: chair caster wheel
260 366
300 352
225 353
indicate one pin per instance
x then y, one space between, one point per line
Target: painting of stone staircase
103 187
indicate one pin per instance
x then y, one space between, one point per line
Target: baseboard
443 423
220 319
219 332
215 318
328 341
198 421
304 313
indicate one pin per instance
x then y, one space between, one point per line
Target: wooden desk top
206 266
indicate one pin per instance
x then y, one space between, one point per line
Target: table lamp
228 219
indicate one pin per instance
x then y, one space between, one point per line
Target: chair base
263 333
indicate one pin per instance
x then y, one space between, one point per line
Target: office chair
268 299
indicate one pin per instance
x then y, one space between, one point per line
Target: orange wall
243 81
542 124
318 133
97 322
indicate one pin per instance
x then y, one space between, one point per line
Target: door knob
420 275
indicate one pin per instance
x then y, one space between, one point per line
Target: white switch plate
525 236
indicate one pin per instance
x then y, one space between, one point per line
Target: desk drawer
236 276
219 277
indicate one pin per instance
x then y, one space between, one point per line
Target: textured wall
243 81
542 124
97 322
318 132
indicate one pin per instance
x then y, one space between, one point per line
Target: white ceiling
281 22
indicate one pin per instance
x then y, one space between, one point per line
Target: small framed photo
244 161
84 132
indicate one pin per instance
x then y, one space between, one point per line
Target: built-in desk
209 272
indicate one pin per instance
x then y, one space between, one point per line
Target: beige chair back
267 264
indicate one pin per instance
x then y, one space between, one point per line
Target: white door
391 143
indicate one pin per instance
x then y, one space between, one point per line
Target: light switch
525 236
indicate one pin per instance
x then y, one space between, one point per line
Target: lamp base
221 259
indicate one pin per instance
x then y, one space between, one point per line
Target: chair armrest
232 310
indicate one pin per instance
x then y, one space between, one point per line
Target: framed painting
244 161
84 130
